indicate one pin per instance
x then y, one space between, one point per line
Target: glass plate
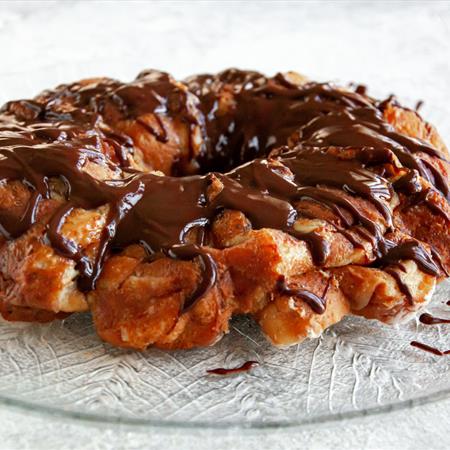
357 367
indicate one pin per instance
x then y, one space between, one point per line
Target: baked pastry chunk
166 207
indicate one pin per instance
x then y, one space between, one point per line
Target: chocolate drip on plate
428 319
244 368
429 349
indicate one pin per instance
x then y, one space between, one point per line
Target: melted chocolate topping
428 319
429 349
45 139
316 303
244 368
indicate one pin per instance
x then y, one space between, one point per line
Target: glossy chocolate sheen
429 319
429 349
311 125
248 365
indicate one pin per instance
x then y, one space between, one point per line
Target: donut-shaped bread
166 207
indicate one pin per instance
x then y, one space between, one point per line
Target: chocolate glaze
361 89
244 368
316 303
428 319
419 105
394 252
429 349
43 139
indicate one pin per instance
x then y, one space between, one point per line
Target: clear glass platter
357 367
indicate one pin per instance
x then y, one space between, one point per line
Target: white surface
402 48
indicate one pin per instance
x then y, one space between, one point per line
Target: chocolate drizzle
419 105
428 319
429 349
42 140
316 303
392 253
207 265
244 368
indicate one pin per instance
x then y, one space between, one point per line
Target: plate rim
142 424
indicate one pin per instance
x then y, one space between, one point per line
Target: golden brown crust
427 221
375 294
33 275
286 320
137 303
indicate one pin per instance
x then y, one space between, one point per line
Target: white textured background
401 47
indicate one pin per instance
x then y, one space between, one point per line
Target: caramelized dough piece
421 222
14 313
376 294
410 123
33 275
138 303
424 215
288 320
161 118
